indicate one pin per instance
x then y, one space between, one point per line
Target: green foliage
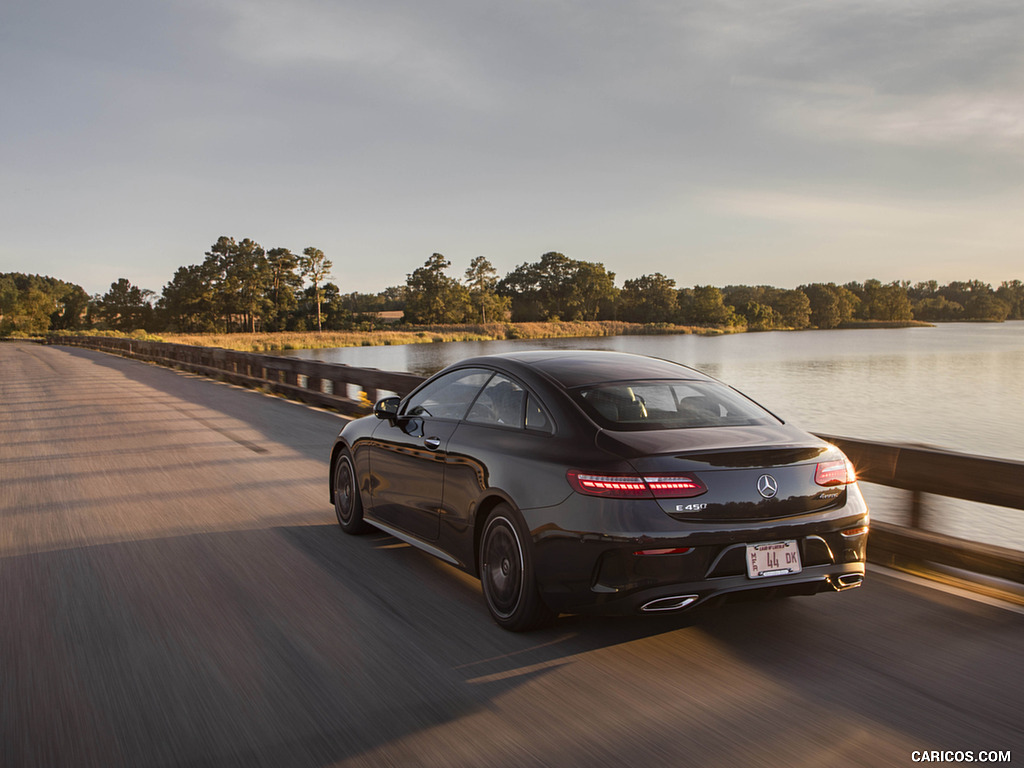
765 307
239 287
557 287
33 304
649 299
482 281
831 305
794 309
759 317
986 306
433 297
284 284
707 307
938 308
315 267
240 275
888 302
1012 292
188 303
125 307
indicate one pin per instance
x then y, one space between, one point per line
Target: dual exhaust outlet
846 581
678 602
675 603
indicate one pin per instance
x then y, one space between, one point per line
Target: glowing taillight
675 487
616 486
838 472
635 486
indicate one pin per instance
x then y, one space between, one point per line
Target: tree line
242 287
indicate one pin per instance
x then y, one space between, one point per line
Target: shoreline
289 340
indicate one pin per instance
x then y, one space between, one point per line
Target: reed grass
427 334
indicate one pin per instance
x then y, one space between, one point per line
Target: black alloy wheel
348 506
506 573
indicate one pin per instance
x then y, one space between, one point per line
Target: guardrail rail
345 388
921 471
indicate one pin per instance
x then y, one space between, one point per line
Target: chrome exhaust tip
847 581
676 603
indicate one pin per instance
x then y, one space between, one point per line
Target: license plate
775 559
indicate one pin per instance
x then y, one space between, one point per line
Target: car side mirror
387 408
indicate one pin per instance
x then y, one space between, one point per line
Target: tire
507 573
348 505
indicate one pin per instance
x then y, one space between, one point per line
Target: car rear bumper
670 598
605 572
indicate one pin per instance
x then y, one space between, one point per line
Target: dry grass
426 334
265 342
886 324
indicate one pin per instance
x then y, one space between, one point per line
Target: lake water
958 386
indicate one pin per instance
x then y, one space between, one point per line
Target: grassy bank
426 334
886 324
266 342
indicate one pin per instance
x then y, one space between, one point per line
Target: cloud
982 223
397 50
770 84
987 121
901 74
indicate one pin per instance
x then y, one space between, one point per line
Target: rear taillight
635 486
838 472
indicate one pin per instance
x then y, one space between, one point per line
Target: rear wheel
348 506
507 574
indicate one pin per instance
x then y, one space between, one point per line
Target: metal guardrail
919 470
345 388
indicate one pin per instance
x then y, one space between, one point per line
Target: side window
449 396
536 417
501 402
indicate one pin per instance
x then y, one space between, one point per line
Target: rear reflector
670 551
859 531
835 473
635 486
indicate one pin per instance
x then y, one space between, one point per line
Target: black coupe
571 482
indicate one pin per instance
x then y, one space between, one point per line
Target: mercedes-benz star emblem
767 486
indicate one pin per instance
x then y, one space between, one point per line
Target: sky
716 142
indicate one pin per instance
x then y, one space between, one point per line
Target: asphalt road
173 591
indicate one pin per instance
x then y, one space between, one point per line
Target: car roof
576 368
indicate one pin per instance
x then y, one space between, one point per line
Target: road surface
174 591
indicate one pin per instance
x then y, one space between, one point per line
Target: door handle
433 443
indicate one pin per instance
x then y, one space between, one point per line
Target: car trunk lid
751 473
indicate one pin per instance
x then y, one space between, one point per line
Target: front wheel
507 575
348 506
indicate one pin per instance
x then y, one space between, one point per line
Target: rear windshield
669 404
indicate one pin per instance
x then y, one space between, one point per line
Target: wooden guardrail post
916 509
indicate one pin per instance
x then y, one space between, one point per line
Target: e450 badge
690 507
